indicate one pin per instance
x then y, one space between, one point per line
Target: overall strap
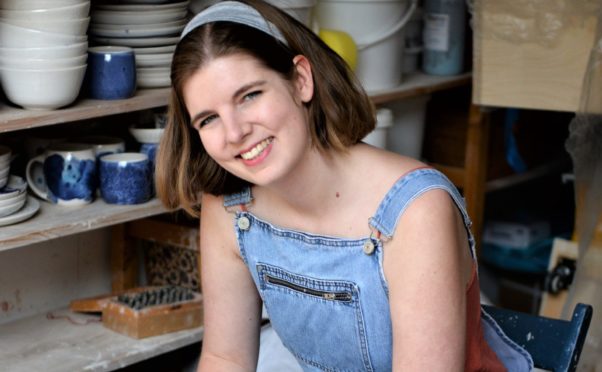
405 190
239 199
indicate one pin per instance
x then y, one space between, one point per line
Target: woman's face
250 120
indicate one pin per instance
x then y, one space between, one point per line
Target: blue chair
554 344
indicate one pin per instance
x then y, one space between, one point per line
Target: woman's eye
252 95
207 120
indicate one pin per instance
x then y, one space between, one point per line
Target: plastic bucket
384 121
302 10
377 29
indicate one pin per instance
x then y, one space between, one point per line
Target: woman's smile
257 153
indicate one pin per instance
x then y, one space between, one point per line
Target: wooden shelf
53 221
418 84
56 345
13 118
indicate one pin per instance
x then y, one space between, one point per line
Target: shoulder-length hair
340 112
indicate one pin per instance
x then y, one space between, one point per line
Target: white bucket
302 10
384 121
406 136
377 29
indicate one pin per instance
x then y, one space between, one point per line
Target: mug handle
34 164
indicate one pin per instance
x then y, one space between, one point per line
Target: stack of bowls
43 51
152 29
13 196
5 157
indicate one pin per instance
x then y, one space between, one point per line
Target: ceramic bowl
136 17
41 63
10 206
14 36
146 135
74 11
143 7
4 172
5 153
15 198
38 4
59 26
42 89
45 52
15 186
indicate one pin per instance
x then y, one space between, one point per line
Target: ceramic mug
65 174
111 72
125 178
103 145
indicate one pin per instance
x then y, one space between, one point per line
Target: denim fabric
326 298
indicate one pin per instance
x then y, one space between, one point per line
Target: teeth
255 151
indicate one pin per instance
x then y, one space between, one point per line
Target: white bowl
74 11
15 186
45 52
41 63
4 172
146 135
45 89
37 4
14 36
75 27
154 60
5 153
21 196
14 206
137 18
142 7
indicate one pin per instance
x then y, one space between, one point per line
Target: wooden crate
530 54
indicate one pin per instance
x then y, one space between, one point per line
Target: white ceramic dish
61 26
46 89
154 60
153 81
4 172
16 198
48 52
144 1
3 181
32 205
137 32
142 6
146 135
137 42
156 50
15 186
10 206
38 63
136 18
38 4
146 26
14 37
74 11
5 153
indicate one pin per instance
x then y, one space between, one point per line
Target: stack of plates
151 27
15 205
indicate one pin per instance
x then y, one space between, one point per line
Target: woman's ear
304 82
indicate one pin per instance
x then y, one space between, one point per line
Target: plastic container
377 27
302 10
444 29
407 133
384 121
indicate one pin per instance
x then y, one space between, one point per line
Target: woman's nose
236 128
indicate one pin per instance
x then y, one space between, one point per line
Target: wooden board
516 64
552 304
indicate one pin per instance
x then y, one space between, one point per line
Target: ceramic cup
65 174
103 145
111 72
150 149
125 178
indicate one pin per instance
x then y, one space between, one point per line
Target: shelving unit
39 343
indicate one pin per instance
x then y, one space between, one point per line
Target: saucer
31 207
14 187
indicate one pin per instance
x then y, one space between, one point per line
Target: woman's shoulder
386 165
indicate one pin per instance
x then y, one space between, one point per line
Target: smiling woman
352 250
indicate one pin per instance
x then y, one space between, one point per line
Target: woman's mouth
257 149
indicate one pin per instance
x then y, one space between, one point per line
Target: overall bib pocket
321 319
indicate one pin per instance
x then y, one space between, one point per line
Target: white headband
233 11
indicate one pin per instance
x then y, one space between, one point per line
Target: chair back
554 344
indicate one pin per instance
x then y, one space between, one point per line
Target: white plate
32 205
137 18
142 6
144 1
155 50
14 187
146 26
136 42
154 60
131 32
153 80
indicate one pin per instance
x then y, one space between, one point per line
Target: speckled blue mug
65 174
125 178
111 72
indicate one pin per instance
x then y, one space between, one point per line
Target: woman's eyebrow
237 93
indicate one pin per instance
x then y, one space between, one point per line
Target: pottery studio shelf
67 341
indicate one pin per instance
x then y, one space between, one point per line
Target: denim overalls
327 297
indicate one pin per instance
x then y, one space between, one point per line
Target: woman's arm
232 306
428 266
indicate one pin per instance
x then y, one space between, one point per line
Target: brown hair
341 113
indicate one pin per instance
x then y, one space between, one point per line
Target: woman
363 258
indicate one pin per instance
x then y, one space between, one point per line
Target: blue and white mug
125 178
65 174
